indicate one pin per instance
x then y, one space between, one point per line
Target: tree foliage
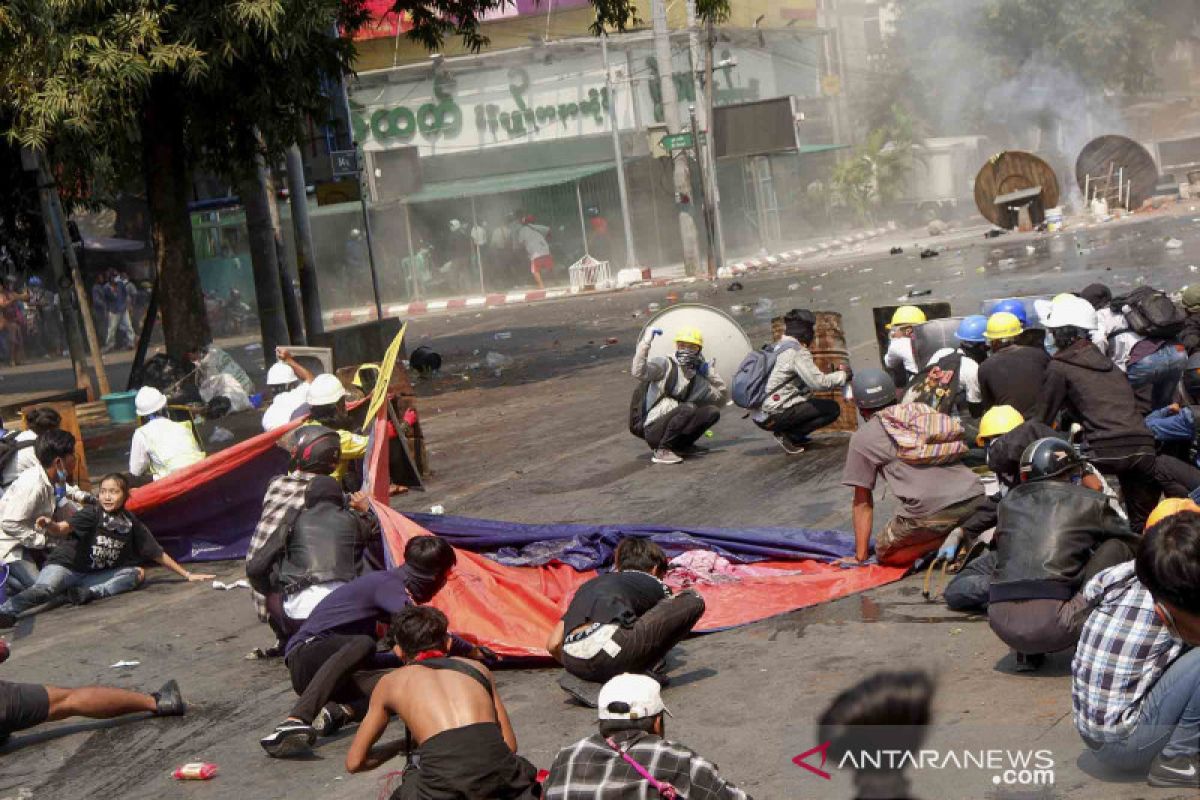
875 172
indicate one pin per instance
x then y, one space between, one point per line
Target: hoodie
1084 382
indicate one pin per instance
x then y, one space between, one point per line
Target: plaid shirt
591 770
1123 650
285 493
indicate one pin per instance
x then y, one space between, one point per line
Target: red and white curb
346 316
765 262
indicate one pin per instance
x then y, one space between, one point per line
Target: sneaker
664 456
7 620
79 595
1030 662
789 447
331 719
169 701
585 692
289 740
1174 771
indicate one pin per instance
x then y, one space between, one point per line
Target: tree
875 172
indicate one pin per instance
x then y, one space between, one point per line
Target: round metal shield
725 343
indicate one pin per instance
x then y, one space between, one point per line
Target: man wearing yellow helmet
678 397
900 360
1013 373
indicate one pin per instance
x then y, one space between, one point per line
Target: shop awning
805 149
499 184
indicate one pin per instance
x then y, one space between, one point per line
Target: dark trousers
646 643
681 427
802 419
968 591
1135 470
332 669
1177 478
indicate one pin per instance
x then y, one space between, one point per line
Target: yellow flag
385 377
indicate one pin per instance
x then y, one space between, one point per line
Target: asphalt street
543 439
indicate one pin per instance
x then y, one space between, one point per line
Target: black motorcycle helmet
316 448
1048 458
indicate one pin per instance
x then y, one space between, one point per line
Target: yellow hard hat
690 336
1003 325
1169 508
358 373
997 421
907 315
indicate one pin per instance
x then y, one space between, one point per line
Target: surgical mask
687 358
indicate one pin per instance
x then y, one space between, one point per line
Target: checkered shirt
284 494
1123 650
591 770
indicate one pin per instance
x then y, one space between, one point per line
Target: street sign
344 162
676 141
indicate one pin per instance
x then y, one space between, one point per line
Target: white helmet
1071 310
455 225
148 401
281 374
325 390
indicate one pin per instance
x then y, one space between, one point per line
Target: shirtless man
465 745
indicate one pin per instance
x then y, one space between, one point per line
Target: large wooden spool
1009 172
829 350
1107 157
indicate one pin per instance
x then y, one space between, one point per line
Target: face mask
687 358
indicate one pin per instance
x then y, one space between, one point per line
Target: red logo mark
823 749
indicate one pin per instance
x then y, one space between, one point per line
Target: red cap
410 417
3 651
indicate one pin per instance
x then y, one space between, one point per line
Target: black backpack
638 411
9 447
1151 313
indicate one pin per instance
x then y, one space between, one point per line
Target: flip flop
584 692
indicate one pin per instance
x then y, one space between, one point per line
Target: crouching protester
332 658
1054 534
465 747
629 756
1135 686
936 494
98 556
626 620
678 398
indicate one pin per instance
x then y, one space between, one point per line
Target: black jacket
1086 383
1046 533
321 544
1013 377
1004 453
1189 335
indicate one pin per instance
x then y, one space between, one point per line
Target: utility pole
710 165
360 160
306 263
670 103
287 284
702 90
264 259
631 259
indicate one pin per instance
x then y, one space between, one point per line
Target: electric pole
670 104
306 262
631 259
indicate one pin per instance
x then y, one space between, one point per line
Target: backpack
9 447
749 386
923 435
1152 313
638 410
938 385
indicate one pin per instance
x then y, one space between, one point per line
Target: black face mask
687 359
422 586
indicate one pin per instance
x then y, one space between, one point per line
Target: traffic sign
344 162
676 141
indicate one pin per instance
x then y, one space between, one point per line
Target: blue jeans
1162 370
54 580
1168 722
21 575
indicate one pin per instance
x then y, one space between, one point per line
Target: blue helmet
1014 307
34 280
971 328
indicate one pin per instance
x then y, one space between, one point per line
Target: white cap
325 390
148 401
634 697
281 374
1071 310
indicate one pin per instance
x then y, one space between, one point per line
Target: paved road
544 441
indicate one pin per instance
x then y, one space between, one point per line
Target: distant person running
161 445
26 705
679 398
464 743
626 620
533 238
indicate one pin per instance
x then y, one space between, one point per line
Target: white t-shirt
968 374
900 351
284 406
300 605
533 239
163 446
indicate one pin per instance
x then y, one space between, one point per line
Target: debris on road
1174 244
121 664
196 771
503 335
736 286
438 510
654 306
896 251
793 287
993 233
920 292
691 297
938 228
240 584
929 253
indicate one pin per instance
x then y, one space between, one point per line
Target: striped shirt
591 770
1123 650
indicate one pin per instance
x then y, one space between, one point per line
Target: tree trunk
264 259
185 325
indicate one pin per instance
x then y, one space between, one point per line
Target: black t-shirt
1014 377
100 541
619 597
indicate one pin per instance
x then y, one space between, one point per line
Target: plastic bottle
196 771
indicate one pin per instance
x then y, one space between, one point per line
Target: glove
949 548
655 332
